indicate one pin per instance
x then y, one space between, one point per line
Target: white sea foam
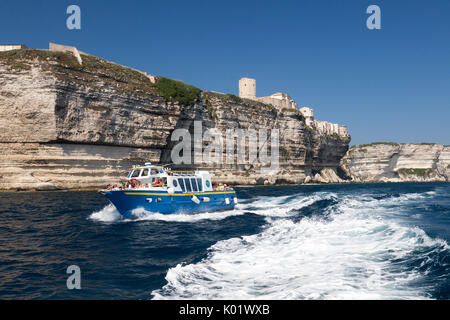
111 214
107 214
284 206
358 252
141 214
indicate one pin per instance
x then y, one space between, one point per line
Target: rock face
67 126
391 162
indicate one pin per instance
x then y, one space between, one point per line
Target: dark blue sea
359 241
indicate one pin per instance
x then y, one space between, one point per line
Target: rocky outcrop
66 125
392 162
326 175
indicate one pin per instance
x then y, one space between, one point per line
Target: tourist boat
162 190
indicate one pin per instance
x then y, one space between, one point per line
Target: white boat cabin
162 178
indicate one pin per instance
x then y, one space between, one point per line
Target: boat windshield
135 173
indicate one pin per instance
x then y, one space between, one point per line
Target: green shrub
233 98
416 172
172 90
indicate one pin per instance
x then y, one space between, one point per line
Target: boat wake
347 247
111 214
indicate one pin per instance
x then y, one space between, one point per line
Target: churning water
361 241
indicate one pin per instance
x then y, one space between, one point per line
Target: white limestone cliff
392 162
66 125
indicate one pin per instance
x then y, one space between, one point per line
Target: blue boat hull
161 202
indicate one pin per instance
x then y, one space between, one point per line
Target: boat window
144 173
129 174
136 173
188 184
174 183
194 184
200 185
208 184
164 181
153 180
181 181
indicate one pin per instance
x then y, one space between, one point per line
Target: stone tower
247 88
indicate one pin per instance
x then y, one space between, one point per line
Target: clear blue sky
391 84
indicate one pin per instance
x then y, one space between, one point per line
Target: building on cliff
323 127
247 90
9 47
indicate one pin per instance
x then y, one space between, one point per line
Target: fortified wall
69 49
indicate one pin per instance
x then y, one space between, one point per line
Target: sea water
358 241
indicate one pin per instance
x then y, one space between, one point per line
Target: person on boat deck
158 183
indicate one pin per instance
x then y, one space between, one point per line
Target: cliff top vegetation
376 143
99 73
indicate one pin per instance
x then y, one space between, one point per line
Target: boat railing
177 173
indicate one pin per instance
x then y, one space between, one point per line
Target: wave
360 251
